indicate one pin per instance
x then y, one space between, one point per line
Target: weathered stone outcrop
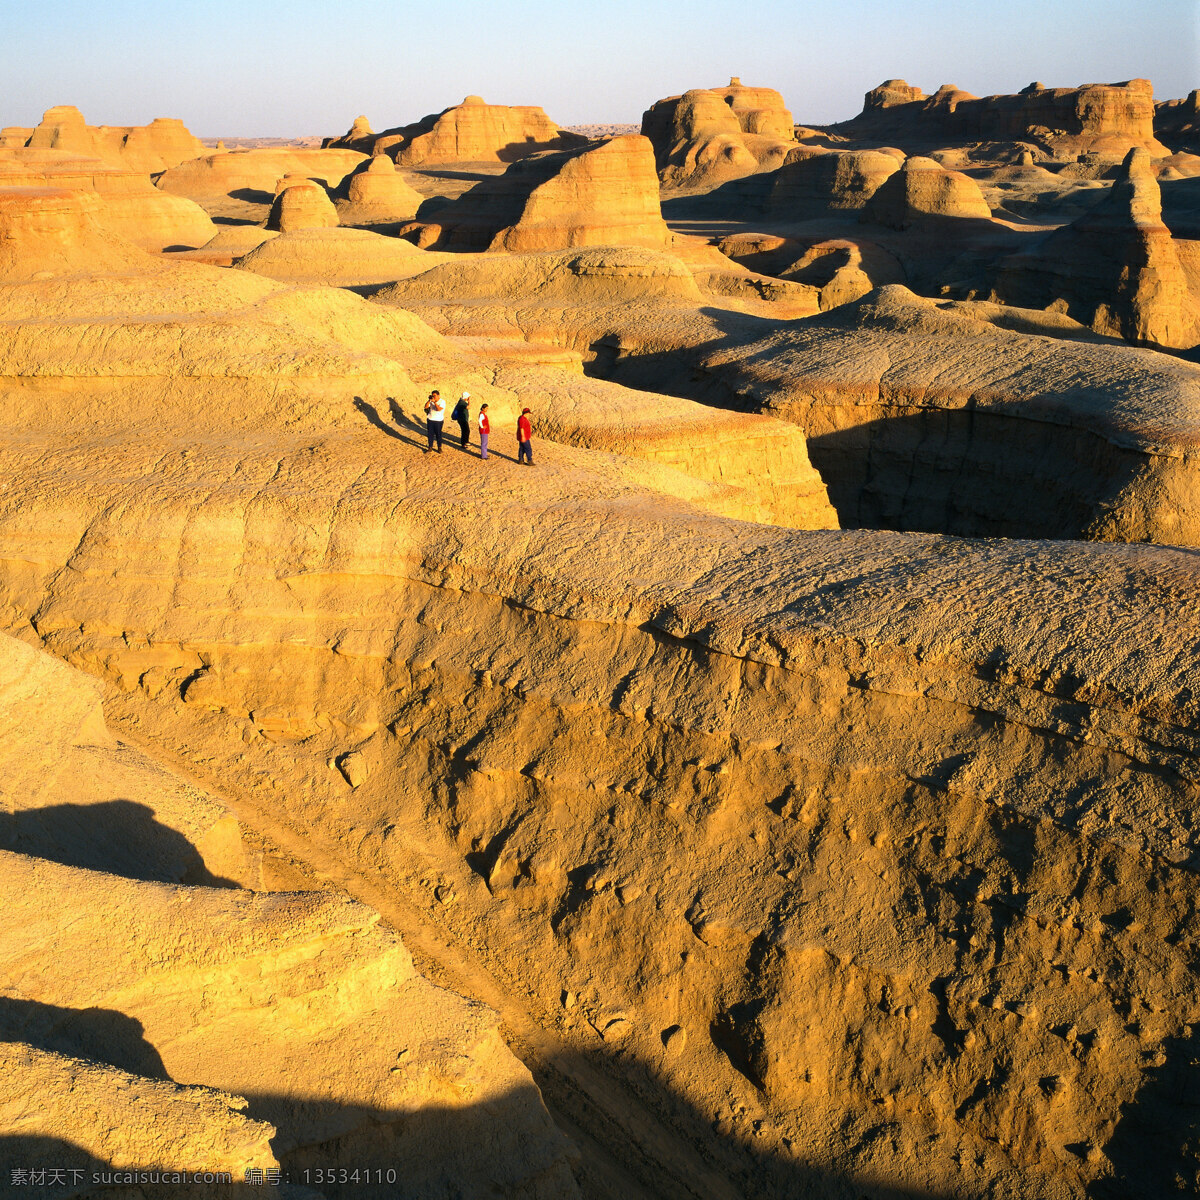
1177 123
336 257
130 205
1116 269
299 206
975 806
920 417
152 1027
360 136
375 193
468 132
256 171
598 196
759 110
107 1122
143 339
46 232
890 93
922 190
1108 119
708 136
759 465
146 149
809 183
840 269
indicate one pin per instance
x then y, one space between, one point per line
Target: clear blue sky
289 67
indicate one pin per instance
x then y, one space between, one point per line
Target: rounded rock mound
46 232
302 206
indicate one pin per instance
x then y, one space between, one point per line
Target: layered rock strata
891 882
256 171
708 136
1108 119
468 132
130 205
171 1029
147 149
1117 269
606 195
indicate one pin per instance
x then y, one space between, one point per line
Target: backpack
461 412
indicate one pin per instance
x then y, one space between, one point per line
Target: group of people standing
435 419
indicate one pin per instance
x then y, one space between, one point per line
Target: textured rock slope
919 415
606 195
195 1029
895 878
468 132
711 135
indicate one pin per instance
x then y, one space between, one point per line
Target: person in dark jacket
462 414
524 439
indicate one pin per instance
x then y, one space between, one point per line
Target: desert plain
786 786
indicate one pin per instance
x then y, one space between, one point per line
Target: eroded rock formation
892 391
232 171
710 135
1109 119
147 149
57 231
787 859
1116 269
303 205
375 193
601 195
129 204
924 747
811 183
335 256
922 190
468 132
1177 122
145 1032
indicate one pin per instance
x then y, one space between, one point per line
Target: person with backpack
484 429
462 414
524 439
435 415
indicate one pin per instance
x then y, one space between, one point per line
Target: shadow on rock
119 837
100 1034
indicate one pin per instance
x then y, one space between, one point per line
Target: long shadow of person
372 414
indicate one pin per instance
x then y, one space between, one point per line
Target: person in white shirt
435 417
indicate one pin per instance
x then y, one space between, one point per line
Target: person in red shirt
524 436
484 429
